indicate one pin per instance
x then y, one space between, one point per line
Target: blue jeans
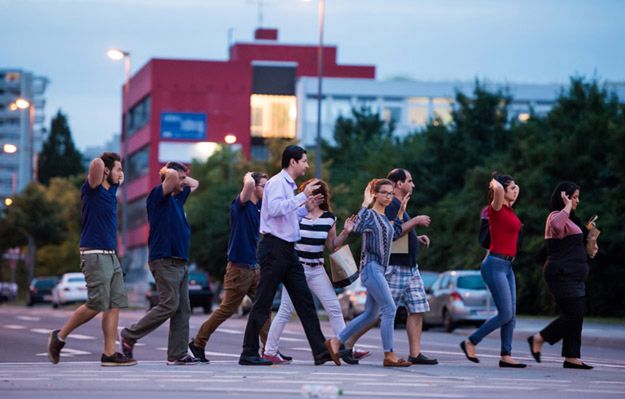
499 278
379 301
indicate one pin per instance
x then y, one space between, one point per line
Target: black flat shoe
512 365
463 346
254 361
583 366
536 355
422 359
347 355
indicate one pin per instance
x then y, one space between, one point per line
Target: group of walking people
278 238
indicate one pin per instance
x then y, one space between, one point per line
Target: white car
71 288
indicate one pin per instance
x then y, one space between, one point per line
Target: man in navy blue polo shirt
168 246
106 292
242 271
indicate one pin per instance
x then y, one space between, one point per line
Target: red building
183 109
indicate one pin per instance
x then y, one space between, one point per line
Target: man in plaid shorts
403 274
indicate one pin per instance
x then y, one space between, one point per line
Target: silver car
459 297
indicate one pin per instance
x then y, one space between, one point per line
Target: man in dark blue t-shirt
168 246
106 292
242 271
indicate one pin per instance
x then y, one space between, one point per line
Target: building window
273 116
137 164
138 116
418 111
137 213
391 114
442 110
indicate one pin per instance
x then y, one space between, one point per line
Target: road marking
228 331
40 330
593 391
14 327
221 354
26 378
298 392
401 384
289 339
28 318
66 352
507 387
539 380
81 337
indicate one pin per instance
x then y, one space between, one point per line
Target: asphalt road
26 373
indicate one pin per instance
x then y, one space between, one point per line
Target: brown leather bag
593 233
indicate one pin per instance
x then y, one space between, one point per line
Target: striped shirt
314 233
377 236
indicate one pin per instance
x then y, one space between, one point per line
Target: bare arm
191 183
334 241
96 173
248 188
170 182
499 194
421 220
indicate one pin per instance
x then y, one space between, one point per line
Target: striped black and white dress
314 233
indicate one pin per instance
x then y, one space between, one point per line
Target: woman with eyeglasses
378 234
496 269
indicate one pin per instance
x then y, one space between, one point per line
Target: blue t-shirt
170 234
244 232
99 217
409 259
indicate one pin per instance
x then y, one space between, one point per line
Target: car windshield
197 278
42 284
76 280
428 279
471 282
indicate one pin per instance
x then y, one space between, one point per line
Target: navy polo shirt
99 217
170 234
409 259
244 232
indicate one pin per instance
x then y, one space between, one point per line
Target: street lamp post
117 54
318 160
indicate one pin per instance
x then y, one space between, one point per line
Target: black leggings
567 327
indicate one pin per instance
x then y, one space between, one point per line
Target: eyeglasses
386 193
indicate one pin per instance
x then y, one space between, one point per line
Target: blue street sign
183 125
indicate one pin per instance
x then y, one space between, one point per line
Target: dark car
428 279
40 290
200 293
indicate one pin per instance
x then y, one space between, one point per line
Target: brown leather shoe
332 345
396 363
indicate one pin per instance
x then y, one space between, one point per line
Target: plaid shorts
407 288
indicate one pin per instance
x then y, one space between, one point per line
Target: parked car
71 288
352 299
40 290
459 297
428 278
200 293
8 291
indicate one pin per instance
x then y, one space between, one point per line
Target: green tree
59 156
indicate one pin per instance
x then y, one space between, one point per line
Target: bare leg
110 318
349 344
414 327
80 316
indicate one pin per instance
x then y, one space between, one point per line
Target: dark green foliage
59 156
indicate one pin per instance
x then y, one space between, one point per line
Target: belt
267 236
97 251
501 256
311 264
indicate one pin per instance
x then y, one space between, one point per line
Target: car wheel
448 323
207 309
55 305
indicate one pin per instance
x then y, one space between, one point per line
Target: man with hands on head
98 260
242 272
279 263
168 246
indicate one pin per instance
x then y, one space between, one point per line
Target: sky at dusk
532 41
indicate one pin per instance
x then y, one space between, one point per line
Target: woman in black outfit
566 271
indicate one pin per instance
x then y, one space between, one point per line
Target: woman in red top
497 269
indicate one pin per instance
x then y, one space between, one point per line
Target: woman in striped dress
378 234
317 229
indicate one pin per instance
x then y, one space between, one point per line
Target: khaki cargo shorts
105 281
